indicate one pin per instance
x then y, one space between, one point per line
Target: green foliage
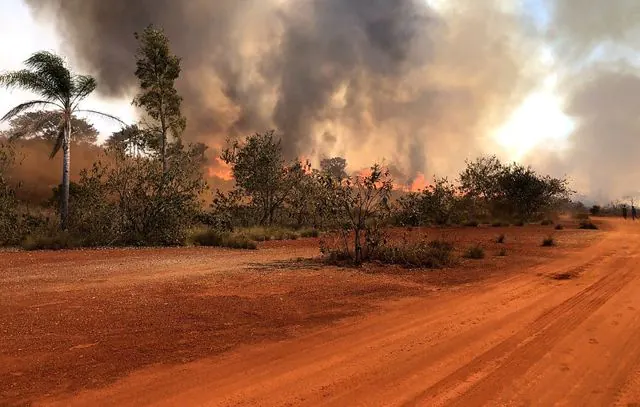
513 191
157 69
261 174
214 238
474 252
360 205
437 204
548 241
126 200
48 76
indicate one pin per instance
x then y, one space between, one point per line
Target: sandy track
526 340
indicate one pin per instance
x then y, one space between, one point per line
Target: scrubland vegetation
147 188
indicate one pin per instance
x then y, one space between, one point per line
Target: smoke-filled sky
422 84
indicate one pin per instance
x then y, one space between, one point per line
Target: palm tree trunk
66 165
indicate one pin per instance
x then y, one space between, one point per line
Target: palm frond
83 85
26 106
33 82
106 115
59 139
51 66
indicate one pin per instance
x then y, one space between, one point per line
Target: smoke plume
364 79
597 43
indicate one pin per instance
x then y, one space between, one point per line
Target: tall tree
61 91
46 128
261 172
157 70
335 167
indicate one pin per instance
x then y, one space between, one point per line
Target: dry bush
214 238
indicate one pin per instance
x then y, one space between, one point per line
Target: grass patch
548 241
265 234
501 238
214 238
55 241
433 254
588 225
307 233
474 252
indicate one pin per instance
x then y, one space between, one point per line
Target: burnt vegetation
147 187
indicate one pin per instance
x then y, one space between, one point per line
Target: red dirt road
523 339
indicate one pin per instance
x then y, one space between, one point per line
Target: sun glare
538 122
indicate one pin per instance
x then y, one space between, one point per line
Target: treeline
146 186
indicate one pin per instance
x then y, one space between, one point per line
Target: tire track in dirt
483 377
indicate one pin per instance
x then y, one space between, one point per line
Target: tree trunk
358 247
66 165
164 152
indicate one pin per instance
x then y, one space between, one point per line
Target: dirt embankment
272 327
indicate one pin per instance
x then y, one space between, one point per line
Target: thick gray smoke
365 79
597 46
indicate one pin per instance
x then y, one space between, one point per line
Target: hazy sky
28 36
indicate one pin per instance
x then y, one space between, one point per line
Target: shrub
588 225
581 216
546 222
309 233
214 238
559 227
265 234
548 241
499 224
50 241
519 223
471 224
501 238
474 252
434 254
502 252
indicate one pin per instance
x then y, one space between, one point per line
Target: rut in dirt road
528 339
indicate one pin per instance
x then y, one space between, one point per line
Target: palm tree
60 91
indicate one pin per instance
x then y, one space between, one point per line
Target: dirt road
527 340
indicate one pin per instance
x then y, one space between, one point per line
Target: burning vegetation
146 185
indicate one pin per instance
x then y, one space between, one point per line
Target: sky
568 55
15 17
